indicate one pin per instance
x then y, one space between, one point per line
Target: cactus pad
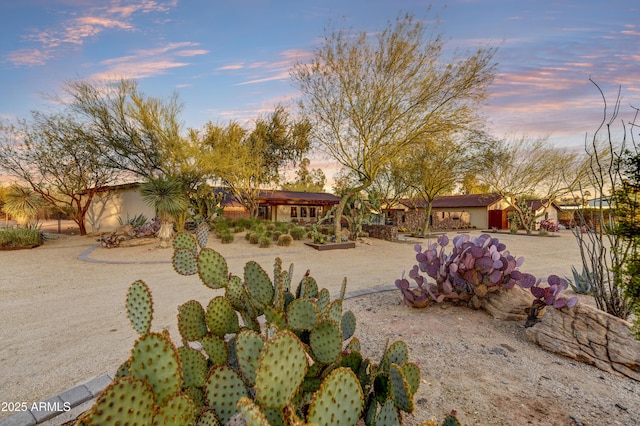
140 307
388 415
216 348
191 321
128 400
184 261
221 318
202 234
251 413
185 240
397 353
258 285
411 372
334 311
339 401
281 369
235 293
401 390
248 347
212 268
194 367
324 298
208 418
302 314
179 410
326 341
348 325
155 359
308 288
223 389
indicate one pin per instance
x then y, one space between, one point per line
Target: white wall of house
106 207
478 216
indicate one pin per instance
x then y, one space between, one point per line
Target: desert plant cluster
264 353
474 268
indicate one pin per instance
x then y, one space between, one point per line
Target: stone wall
589 335
383 232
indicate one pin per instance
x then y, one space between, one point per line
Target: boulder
589 335
509 304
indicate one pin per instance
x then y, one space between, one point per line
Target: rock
509 304
124 229
589 335
134 242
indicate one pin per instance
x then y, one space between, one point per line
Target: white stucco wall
107 207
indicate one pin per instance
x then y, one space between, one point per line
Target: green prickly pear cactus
140 307
339 401
261 354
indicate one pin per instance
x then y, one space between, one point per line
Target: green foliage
264 241
581 283
297 232
22 204
285 240
226 237
14 237
138 220
302 365
166 195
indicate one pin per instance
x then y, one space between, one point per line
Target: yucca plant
22 203
167 196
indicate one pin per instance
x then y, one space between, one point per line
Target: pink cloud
28 57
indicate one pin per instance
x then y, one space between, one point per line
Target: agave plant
166 195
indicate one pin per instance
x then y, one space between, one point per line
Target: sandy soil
63 323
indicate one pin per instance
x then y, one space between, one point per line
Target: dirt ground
64 323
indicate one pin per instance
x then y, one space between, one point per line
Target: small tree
166 195
521 168
55 157
306 180
369 98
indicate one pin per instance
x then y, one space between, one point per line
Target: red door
498 219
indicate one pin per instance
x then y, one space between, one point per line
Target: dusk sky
230 59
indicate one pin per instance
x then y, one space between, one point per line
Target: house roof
296 197
456 201
536 205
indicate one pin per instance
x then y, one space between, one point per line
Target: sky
230 60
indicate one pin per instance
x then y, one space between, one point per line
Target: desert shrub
221 226
275 235
264 241
138 220
15 237
549 225
254 237
285 240
297 232
242 224
226 237
270 226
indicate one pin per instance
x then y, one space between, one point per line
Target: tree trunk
165 233
337 221
427 221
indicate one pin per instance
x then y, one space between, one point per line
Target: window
294 212
303 212
312 212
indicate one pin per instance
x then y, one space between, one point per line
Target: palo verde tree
368 97
434 166
307 180
249 161
57 158
522 168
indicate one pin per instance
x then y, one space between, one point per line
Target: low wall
382 232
